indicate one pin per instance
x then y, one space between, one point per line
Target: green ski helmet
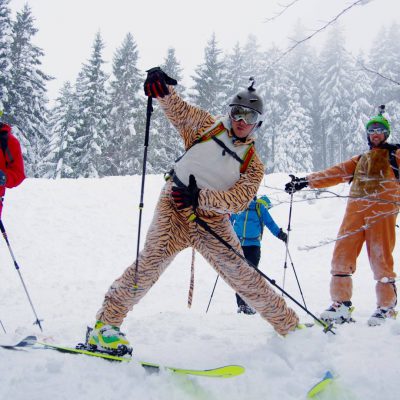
263 199
249 99
379 119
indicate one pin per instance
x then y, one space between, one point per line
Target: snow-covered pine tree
301 67
26 103
293 141
92 129
127 112
165 142
385 60
360 110
5 62
60 158
273 91
253 65
236 71
209 90
336 97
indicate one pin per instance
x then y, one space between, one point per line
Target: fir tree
360 111
293 142
252 60
210 80
273 91
166 144
127 112
5 62
236 72
26 103
385 60
336 97
93 129
302 70
62 145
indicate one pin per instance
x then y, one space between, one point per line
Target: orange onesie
370 217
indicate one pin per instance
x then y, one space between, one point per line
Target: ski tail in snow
321 385
27 341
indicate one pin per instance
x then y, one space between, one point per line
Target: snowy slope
72 238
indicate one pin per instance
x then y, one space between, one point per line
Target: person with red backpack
218 175
11 162
370 217
249 227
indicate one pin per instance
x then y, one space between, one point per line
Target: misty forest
316 101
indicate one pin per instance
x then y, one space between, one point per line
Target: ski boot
380 315
245 309
339 312
107 339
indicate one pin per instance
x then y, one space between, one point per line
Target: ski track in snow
72 238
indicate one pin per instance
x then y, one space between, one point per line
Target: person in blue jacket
249 226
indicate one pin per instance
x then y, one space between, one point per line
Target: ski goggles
371 131
249 116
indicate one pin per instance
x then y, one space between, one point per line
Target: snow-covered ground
72 238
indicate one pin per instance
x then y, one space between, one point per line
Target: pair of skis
228 371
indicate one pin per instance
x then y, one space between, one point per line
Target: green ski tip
229 371
321 385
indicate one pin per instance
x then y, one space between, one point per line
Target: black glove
156 83
295 184
282 235
185 197
3 178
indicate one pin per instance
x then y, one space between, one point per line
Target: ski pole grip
2 229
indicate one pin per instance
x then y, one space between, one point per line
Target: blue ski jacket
249 225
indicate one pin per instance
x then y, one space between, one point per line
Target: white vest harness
213 166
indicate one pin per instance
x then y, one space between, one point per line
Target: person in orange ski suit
214 178
370 217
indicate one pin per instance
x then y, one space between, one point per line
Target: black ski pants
253 254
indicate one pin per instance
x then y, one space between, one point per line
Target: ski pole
297 279
141 204
3 231
193 217
288 234
4 329
212 293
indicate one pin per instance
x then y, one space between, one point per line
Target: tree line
316 101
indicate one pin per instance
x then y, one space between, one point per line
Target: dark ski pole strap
193 217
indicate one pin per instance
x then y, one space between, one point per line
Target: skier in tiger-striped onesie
213 180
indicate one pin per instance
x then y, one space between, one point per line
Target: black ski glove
186 196
282 235
295 184
156 83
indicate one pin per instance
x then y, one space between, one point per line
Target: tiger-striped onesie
171 232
